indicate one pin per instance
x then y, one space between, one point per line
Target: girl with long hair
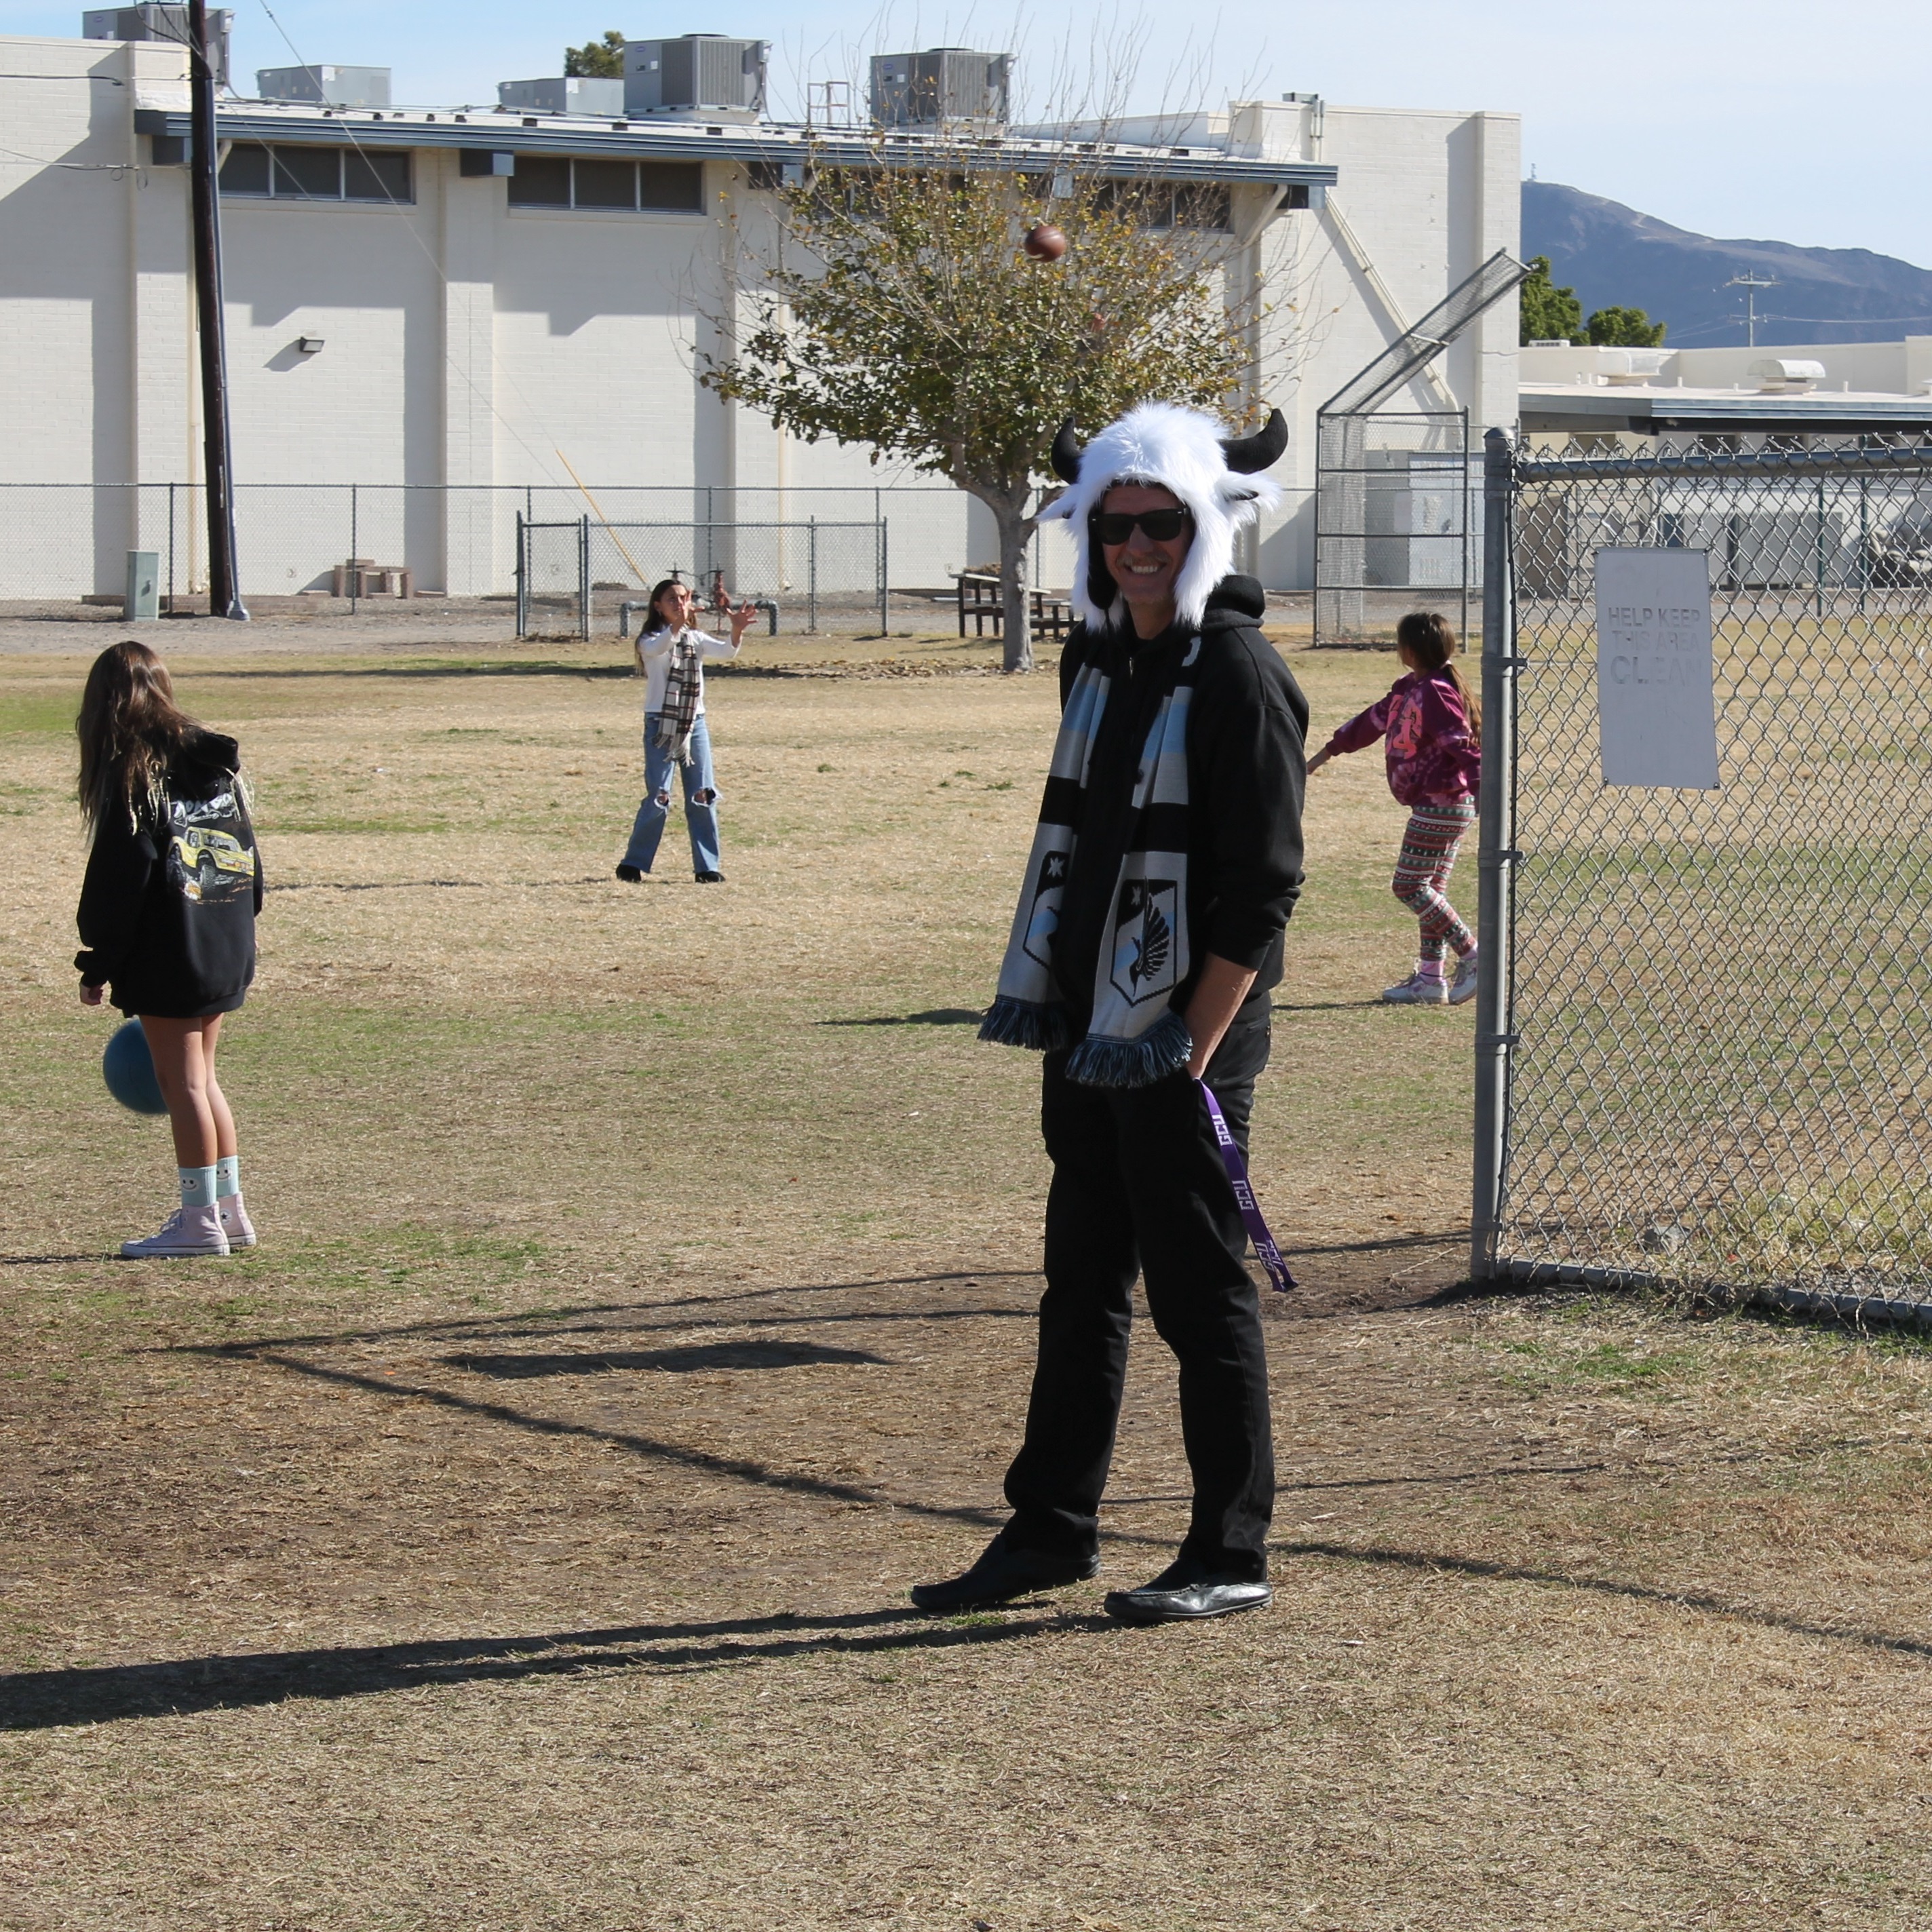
1433 723
670 657
167 918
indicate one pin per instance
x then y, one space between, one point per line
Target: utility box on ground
142 604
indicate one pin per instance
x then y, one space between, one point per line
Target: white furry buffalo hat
1187 452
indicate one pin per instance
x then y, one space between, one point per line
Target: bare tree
896 305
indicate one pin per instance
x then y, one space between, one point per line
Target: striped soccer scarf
1135 1037
684 685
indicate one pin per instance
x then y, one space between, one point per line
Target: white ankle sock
1429 969
227 1176
197 1186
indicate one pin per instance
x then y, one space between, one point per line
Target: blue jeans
701 810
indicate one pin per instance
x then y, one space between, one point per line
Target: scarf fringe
1012 1022
1160 1051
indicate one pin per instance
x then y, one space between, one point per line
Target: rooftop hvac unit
325 86
160 23
563 93
941 85
701 73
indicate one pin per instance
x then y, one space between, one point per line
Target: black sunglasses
1115 526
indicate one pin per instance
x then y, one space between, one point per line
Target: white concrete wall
1428 196
469 344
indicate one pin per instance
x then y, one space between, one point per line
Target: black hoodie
1246 733
167 911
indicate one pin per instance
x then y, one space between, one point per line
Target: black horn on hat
1245 455
1066 453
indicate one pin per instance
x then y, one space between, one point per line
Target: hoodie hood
1184 451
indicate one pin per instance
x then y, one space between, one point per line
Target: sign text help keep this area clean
1656 714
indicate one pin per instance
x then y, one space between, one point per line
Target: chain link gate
1397 521
1708 1061
566 572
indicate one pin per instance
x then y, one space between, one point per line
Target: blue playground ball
128 1068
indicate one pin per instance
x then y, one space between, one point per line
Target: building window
1165 205
317 174
551 180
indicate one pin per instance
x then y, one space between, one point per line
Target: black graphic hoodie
167 911
1247 730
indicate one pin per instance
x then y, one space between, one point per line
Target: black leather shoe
708 878
630 875
1001 1574
1186 1592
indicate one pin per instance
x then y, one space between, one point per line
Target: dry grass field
519 1537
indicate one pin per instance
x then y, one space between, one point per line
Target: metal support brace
1496 854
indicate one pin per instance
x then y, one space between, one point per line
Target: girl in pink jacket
1433 723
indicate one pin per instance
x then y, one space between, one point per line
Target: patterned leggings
1422 876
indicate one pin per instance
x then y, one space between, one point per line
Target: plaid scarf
684 685
1134 1036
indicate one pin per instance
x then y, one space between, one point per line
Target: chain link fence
575 578
1709 1061
1397 522
68 541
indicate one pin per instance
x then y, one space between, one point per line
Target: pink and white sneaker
188 1231
1463 986
235 1222
1419 989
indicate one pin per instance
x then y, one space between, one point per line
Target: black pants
1138 1185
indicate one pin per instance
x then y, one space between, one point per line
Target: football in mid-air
1045 242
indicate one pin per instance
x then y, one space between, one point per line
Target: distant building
1732 397
463 298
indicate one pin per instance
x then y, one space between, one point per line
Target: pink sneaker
235 1222
188 1231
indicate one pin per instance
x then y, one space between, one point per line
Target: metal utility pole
1751 284
224 596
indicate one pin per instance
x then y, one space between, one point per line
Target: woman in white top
670 655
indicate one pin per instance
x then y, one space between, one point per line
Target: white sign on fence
1656 714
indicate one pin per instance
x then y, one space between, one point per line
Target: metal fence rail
569 573
68 541
1708 1060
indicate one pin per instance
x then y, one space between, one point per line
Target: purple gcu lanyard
1266 1253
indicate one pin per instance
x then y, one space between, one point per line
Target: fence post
1463 465
1495 854
354 549
811 577
1821 547
884 555
171 488
523 580
584 576
1865 541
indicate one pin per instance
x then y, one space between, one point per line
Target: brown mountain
1611 254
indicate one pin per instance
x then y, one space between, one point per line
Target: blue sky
1776 120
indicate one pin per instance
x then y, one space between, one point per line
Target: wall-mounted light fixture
308 345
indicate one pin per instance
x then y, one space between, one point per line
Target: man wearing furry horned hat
1149 934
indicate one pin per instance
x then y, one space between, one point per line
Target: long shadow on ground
38 1700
